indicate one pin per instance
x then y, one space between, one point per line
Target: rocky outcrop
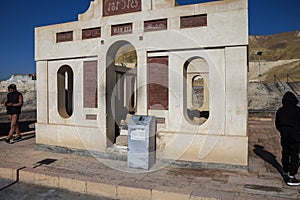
26 84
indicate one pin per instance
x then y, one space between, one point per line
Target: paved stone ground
90 175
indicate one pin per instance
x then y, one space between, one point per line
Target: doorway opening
121 97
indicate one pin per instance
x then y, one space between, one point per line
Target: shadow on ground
26 122
24 127
270 158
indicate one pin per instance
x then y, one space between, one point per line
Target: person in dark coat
13 103
288 124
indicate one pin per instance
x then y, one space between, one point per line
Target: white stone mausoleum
185 65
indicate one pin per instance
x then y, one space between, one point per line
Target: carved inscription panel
121 29
90 84
193 21
117 7
155 25
64 36
91 33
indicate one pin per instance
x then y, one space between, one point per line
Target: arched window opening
65 91
196 92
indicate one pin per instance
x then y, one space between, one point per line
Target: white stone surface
222 44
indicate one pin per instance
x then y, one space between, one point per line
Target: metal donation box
141 142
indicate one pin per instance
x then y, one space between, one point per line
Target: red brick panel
158 80
64 36
90 94
91 33
193 21
117 7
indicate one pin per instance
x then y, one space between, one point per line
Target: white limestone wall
42 92
236 91
222 43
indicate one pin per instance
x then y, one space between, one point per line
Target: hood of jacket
289 99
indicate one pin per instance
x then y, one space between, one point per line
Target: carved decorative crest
117 7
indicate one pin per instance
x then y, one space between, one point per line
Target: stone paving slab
90 175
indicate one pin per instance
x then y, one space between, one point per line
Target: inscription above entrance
121 29
117 7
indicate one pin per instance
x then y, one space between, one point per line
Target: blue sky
18 19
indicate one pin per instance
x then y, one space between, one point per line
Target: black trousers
290 155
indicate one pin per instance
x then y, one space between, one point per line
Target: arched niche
65 84
196 90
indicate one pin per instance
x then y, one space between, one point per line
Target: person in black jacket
13 103
287 122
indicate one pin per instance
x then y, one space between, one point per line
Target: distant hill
282 46
280 57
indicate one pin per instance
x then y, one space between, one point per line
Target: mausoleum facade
185 65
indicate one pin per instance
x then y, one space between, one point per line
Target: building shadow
269 157
24 127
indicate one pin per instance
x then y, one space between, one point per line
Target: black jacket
288 117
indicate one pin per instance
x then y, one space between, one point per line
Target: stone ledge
8 173
123 157
102 189
127 189
159 194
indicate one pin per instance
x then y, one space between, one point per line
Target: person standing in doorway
287 122
13 103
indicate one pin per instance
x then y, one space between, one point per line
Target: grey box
141 142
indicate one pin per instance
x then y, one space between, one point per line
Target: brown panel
90 82
117 7
160 120
121 29
158 80
64 37
155 25
91 117
193 21
91 33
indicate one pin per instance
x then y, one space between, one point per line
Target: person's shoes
18 138
7 140
292 181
